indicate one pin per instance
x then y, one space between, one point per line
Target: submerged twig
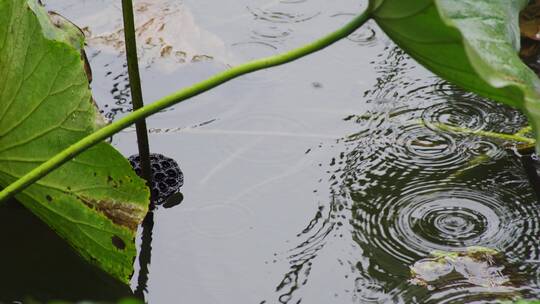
526 142
518 137
524 130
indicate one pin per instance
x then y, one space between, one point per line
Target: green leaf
472 43
94 201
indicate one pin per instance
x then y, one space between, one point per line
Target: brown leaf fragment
120 213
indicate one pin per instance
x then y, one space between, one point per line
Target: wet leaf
95 201
479 266
472 43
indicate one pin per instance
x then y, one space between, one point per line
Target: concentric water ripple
410 139
282 17
272 34
475 114
417 147
459 292
397 226
406 200
364 36
481 147
463 114
369 291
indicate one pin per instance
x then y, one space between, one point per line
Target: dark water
322 181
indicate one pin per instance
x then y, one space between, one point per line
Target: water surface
321 181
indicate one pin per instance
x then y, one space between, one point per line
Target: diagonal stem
193 90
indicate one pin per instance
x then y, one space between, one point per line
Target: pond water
316 182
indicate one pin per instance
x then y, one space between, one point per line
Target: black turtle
167 178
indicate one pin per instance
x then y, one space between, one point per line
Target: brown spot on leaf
87 68
49 198
118 242
125 214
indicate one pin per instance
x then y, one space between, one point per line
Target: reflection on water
37 264
396 195
166 31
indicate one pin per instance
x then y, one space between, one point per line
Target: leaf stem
462 130
524 130
135 88
193 90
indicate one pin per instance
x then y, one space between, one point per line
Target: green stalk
135 88
193 90
461 130
524 131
